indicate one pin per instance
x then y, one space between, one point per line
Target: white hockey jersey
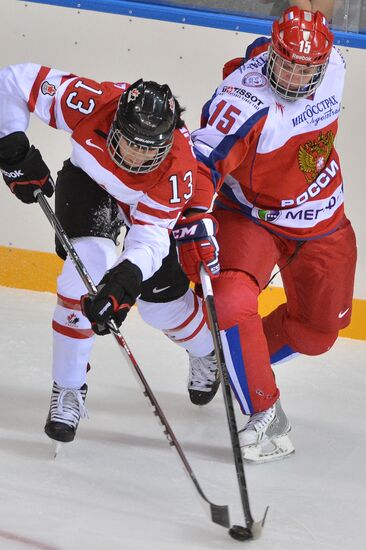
271 159
149 203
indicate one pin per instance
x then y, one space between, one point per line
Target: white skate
264 438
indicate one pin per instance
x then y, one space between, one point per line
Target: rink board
34 270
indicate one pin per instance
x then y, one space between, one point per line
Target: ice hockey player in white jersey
268 137
132 163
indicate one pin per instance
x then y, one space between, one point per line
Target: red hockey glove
197 245
117 292
23 168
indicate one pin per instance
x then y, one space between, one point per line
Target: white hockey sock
182 320
72 335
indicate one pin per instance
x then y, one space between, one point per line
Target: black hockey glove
117 292
23 168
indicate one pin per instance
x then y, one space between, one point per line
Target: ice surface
120 487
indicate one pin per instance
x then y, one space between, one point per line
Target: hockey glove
197 245
117 292
23 168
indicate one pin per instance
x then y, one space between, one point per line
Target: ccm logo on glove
197 245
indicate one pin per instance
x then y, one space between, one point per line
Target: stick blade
238 532
256 528
220 515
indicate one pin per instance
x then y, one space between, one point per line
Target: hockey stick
252 529
219 514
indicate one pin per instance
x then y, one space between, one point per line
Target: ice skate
66 409
264 438
204 379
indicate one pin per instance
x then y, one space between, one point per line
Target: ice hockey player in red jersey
132 163
267 137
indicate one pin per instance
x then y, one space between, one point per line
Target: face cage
276 70
138 163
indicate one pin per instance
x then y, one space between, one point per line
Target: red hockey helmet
299 53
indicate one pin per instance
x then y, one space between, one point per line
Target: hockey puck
238 532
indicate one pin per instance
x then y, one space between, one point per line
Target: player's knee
236 298
310 341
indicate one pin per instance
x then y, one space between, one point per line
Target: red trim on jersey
34 93
77 333
124 207
202 323
189 319
258 50
231 66
162 214
68 303
141 222
52 114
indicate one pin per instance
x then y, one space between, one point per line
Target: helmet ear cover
145 120
303 39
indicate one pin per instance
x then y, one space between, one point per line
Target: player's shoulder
182 138
181 154
337 59
255 50
83 101
245 83
86 94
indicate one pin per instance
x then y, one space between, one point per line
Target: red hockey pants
318 282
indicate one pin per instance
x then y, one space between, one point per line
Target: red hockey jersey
271 159
149 203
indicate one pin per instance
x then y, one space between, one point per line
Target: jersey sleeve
154 216
148 239
204 193
28 88
60 99
146 246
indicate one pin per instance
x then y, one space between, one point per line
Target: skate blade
268 451
56 447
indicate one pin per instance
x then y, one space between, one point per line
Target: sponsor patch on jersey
243 94
47 88
269 215
254 80
314 154
315 113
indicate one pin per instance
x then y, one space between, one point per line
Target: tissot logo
243 94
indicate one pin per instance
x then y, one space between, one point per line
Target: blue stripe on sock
281 354
233 340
